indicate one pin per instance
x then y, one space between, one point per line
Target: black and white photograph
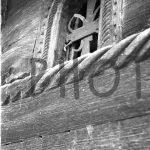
75 75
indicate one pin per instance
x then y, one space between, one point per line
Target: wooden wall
128 134
120 121
23 35
135 15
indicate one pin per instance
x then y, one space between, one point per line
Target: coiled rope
133 48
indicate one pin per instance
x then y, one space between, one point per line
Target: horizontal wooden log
48 113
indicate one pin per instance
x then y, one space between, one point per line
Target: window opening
83 30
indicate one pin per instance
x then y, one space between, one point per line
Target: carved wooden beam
135 47
113 95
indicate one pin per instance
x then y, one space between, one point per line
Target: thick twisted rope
133 48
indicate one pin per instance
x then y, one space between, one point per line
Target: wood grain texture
21 37
105 32
126 134
48 113
135 16
20 23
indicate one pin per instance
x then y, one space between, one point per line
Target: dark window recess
93 43
6 101
83 30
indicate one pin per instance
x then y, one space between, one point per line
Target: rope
133 48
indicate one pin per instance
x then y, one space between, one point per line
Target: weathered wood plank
48 113
136 16
104 136
45 121
105 83
22 36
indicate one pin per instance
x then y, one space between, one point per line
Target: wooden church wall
63 115
23 32
120 121
128 134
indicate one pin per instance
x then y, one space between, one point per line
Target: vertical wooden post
105 28
100 24
72 51
54 35
38 45
117 20
110 22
